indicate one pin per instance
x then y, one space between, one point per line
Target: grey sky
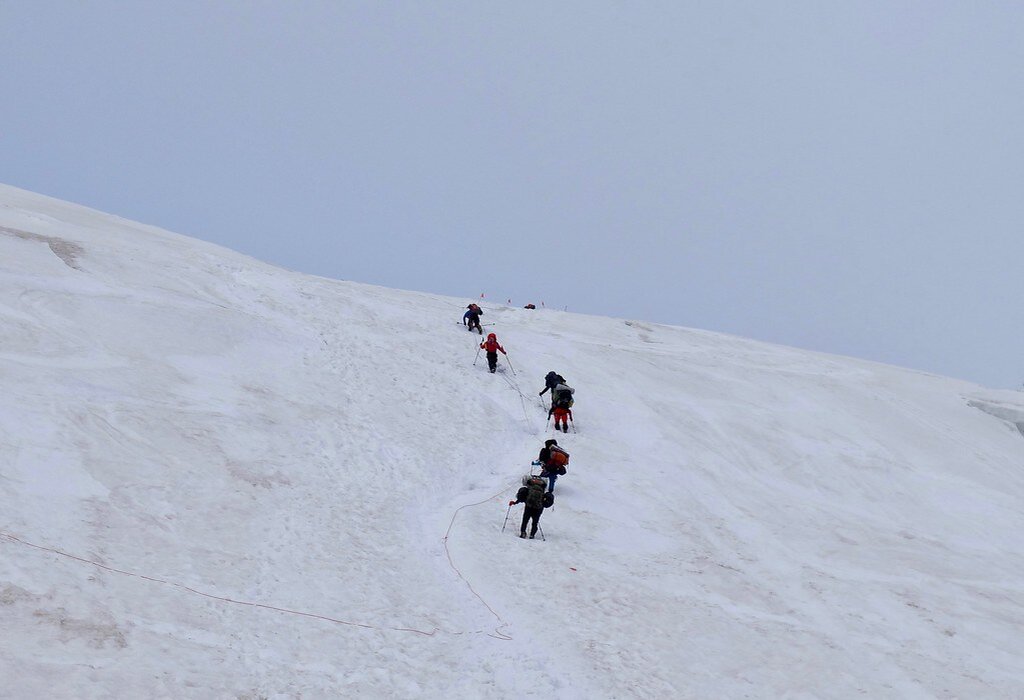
845 176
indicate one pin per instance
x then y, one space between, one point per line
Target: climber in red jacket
492 347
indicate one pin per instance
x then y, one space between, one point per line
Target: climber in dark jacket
471 319
531 494
548 468
551 380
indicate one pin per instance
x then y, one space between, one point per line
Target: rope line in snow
497 634
224 599
522 399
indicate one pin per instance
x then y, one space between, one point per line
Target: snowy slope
219 479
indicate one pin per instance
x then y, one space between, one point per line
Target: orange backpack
559 458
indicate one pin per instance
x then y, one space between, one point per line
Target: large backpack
535 487
559 459
524 492
563 397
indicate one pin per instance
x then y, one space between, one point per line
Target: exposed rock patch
67 251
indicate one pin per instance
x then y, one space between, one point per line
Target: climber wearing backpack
551 380
552 460
561 402
532 494
471 319
492 347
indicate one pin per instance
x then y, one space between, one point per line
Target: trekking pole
510 365
506 517
477 356
542 537
573 423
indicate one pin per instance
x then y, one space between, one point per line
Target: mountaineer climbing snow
535 499
493 348
552 461
471 319
561 405
551 380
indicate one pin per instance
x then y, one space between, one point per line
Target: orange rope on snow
498 634
12 538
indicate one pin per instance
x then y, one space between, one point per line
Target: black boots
522 535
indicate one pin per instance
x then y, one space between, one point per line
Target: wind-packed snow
220 479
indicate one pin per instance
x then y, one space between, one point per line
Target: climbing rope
252 604
514 385
497 634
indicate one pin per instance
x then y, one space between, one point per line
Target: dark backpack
535 487
563 399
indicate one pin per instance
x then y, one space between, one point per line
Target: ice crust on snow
220 479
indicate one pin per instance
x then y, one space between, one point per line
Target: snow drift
220 479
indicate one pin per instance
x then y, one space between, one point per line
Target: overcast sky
840 176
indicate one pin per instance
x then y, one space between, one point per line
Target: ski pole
506 517
542 537
573 423
477 356
510 364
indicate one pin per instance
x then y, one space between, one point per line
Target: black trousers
531 514
492 360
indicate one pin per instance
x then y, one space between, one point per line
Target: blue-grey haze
842 176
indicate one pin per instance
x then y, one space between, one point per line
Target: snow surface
220 479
